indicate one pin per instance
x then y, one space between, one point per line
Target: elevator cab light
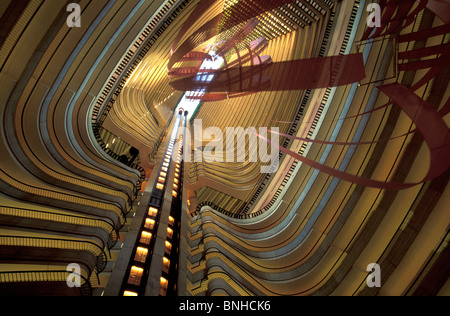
168 248
153 212
146 238
135 275
166 265
169 232
149 224
163 286
129 293
141 254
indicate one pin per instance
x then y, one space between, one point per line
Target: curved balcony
41 283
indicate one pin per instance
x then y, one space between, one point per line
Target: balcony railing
44 277
63 244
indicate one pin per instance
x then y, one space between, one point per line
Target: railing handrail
63 218
42 242
42 276
54 243
46 215
112 154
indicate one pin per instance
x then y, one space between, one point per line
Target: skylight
192 105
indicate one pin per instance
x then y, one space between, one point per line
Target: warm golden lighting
128 293
163 174
135 275
141 254
166 265
169 233
168 247
174 193
163 286
153 212
176 181
175 187
145 238
149 224
161 179
171 221
164 169
159 186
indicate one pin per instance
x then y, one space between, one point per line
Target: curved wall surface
362 179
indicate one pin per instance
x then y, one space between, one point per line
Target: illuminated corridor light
141 254
149 224
169 233
168 249
163 286
145 238
152 212
135 275
166 265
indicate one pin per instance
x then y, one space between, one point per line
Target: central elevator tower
152 265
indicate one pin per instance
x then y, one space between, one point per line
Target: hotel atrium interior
118 176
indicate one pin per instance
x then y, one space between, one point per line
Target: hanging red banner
429 123
396 16
314 73
441 8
